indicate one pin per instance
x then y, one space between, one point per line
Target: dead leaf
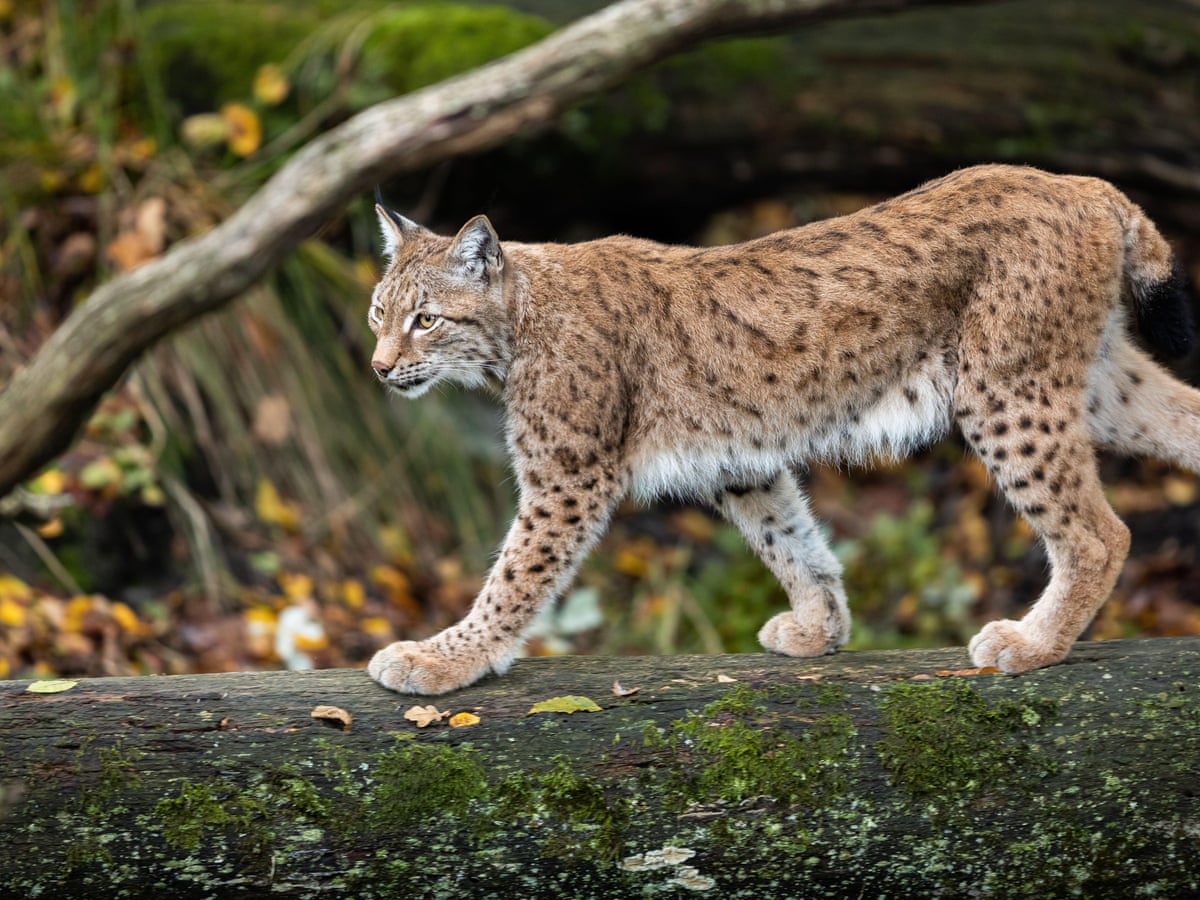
333 715
623 691
566 704
725 679
463 719
425 715
273 420
270 85
922 677
949 673
809 677
245 129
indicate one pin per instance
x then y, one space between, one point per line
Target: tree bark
868 774
45 404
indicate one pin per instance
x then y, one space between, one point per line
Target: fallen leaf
809 677
425 715
985 670
463 719
52 686
245 130
623 691
922 677
725 679
270 85
332 714
566 704
273 420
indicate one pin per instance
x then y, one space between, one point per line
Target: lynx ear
475 248
394 228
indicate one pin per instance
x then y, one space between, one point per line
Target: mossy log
867 774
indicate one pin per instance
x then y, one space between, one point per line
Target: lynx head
438 313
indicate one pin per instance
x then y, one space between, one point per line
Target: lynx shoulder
998 301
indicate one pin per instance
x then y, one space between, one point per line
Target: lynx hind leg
775 520
1038 449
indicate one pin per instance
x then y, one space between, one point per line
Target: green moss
415 46
724 754
943 739
416 781
579 816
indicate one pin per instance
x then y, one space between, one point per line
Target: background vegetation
248 497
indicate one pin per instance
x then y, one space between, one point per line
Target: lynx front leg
557 523
775 520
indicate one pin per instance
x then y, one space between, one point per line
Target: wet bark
864 774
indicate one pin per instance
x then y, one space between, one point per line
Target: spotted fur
996 300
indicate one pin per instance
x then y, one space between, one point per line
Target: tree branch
864 774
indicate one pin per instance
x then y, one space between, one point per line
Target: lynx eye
375 314
425 321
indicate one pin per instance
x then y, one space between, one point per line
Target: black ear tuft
394 227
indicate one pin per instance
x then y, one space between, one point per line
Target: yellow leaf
296 587
462 719
630 563
377 626
570 703
51 529
12 614
353 594
125 618
1179 490
14 587
274 510
425 715
53 686
245 131
52 481
270 85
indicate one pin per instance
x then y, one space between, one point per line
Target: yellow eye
425 321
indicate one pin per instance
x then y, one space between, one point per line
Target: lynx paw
783 634
419 667
1007 646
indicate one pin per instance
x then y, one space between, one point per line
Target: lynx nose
381 370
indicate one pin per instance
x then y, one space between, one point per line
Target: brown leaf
425 715
332 715
949 673
273 420
725 679
623 691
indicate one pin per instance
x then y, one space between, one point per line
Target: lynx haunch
998 301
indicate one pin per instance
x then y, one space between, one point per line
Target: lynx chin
998 301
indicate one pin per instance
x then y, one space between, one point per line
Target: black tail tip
1165 316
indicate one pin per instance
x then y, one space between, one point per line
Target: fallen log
865 774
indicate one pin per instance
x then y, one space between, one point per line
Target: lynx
997 300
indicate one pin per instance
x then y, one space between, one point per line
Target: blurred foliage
248 497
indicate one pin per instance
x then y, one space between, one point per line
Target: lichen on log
864 774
